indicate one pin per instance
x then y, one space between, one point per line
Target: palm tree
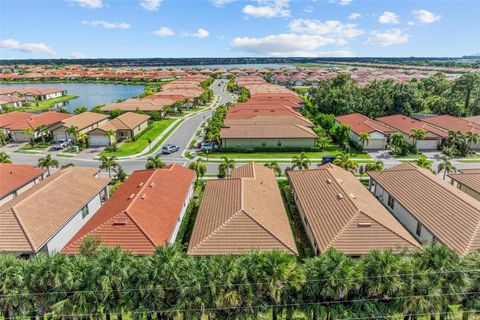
198 167
110 134
41 131
377 166
301 162
446 166
472 138
4 157
227 165
417 134
47 163
3 138
155 162
397 142
108 163
74 132
275 167
343 160
29 132
423 162
364 139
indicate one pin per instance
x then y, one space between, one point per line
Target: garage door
427 144
97 141
376 144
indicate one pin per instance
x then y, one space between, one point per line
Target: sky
238 28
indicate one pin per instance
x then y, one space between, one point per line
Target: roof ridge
474 235
140 228
345 226
22 227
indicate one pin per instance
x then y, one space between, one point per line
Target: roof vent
339 180
120 222
364 224
131 196
339 196
144 196
329 181
152 184
141 184
353 196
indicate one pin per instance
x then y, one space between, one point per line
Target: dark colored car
169 148
328 159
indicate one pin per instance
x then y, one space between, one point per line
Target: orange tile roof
452 216
362 124
84 120
142 213
267 131
241 214
406 124
343 214
17 120
448 122
14 176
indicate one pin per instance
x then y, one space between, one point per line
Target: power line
235 284
275 305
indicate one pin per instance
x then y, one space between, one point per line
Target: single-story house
13 101
16 178
467 180
430 208
17 124
338 212
358 123
85 122
45 217
148 207
33 94
434 136
125 126
451 123
241 214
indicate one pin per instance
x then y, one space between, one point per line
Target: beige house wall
269 143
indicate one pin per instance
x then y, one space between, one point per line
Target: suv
62 144
169 148
208 146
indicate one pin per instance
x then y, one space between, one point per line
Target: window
264 143
419 229
85 211
14 193
279 143
391 201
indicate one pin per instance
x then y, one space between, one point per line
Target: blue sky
232 28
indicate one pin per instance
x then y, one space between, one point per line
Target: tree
340 134
47 162
155 162
301 162
398 143
198 167
108 163
417 134
3 138
73 132
227 164
275 167
466 84
343 160
326 121
4 157
41 131
377 166
364 139
110 134
30 132
446 166
80 110
423 162
473 138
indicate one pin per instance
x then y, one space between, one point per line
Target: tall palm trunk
274 313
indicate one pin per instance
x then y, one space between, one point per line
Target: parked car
328 159
62 144
169 148
208 146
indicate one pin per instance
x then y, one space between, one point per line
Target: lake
89 94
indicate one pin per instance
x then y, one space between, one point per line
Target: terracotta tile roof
241 214
33 91
265 120
406 124
343 214
16 120
469 178
10 99
447 122
142 213
126 121
267 131
452 216
14 176
84 120
474 119
362 124
28 221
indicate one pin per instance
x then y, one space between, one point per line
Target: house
434 136
126 126
467 180
338 212
45 217
33 94
13 101
16 178
451 123
430 208
378 133
148 207
84 122
21 126
242 214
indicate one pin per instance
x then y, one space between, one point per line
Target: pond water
89 94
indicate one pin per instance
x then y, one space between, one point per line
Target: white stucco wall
188 198
20 190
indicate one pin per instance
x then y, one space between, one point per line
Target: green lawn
47 104
159 143
132 147
38 146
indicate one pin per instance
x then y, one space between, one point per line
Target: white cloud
335 53
341 2
330 27
201 33
388 18
308 9
106 24
91 4
287 44
29 47
424 16
354 16
221 3
150 5
78 55
164 32
388 38
268 9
